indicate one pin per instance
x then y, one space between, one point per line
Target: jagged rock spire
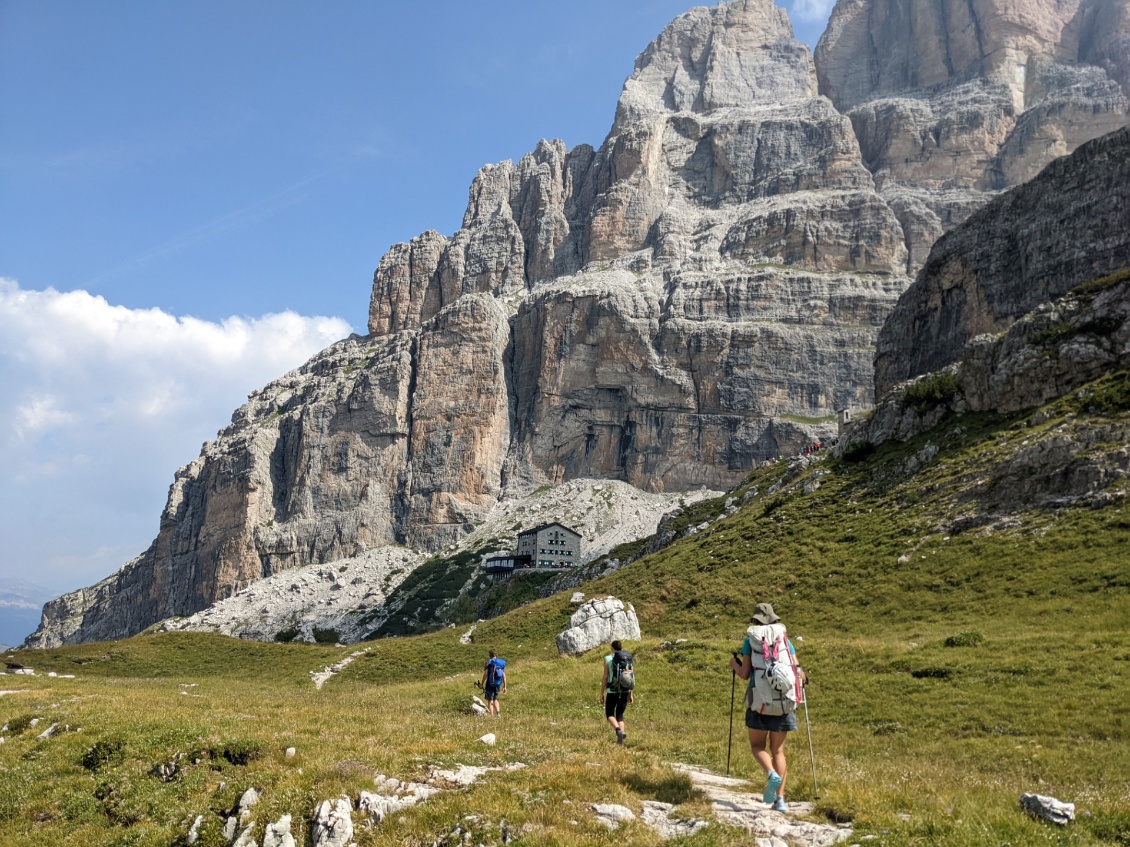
732 55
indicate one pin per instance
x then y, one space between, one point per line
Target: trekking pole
811 752
730 737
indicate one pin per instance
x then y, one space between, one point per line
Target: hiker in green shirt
617 688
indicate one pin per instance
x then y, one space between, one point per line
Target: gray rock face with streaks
1055 349
1068 226
955 101
696 295
1046 349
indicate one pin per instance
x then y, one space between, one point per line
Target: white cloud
102 404
812 11
38 414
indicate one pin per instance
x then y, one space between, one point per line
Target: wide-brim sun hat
763 614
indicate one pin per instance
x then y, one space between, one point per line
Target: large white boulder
598 622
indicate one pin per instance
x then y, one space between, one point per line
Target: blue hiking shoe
779 805
771 786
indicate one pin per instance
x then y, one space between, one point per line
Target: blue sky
194 196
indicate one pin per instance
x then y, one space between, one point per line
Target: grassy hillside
951 672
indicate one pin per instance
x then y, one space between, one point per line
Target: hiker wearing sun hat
767 659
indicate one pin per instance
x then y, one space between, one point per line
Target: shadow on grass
675 789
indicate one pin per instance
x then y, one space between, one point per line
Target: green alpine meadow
950 672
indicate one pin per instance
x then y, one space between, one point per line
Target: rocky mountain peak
731 55
700 294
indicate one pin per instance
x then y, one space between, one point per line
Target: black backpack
623 676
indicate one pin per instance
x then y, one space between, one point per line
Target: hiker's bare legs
772 759
494 708
757 745
777 753
615 724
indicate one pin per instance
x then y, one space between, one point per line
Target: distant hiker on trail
768 660
617 688
494 678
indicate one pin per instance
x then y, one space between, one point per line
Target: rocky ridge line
1068 226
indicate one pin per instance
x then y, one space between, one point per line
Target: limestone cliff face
1027 247
702 292
954 101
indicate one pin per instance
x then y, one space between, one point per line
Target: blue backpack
495 668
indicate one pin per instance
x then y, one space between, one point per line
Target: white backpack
772 680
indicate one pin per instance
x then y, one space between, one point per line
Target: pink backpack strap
766 653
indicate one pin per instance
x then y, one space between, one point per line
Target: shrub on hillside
105 752
773 504
19 723
124 802
965 639
238 751
886 727
1112 395
1097 286
858 450
930 391
932 673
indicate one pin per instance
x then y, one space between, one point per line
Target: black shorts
491 692
615 704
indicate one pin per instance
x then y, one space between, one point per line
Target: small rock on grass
489 739
333 823
250 798
246 838
194 831
1048 809
612 815
278 834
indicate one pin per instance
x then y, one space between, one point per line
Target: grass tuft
965 639
109 751
20 723
238 751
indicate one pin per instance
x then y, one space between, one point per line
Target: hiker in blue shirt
770 709
494 678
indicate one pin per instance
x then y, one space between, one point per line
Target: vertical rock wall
955 100
1035 243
